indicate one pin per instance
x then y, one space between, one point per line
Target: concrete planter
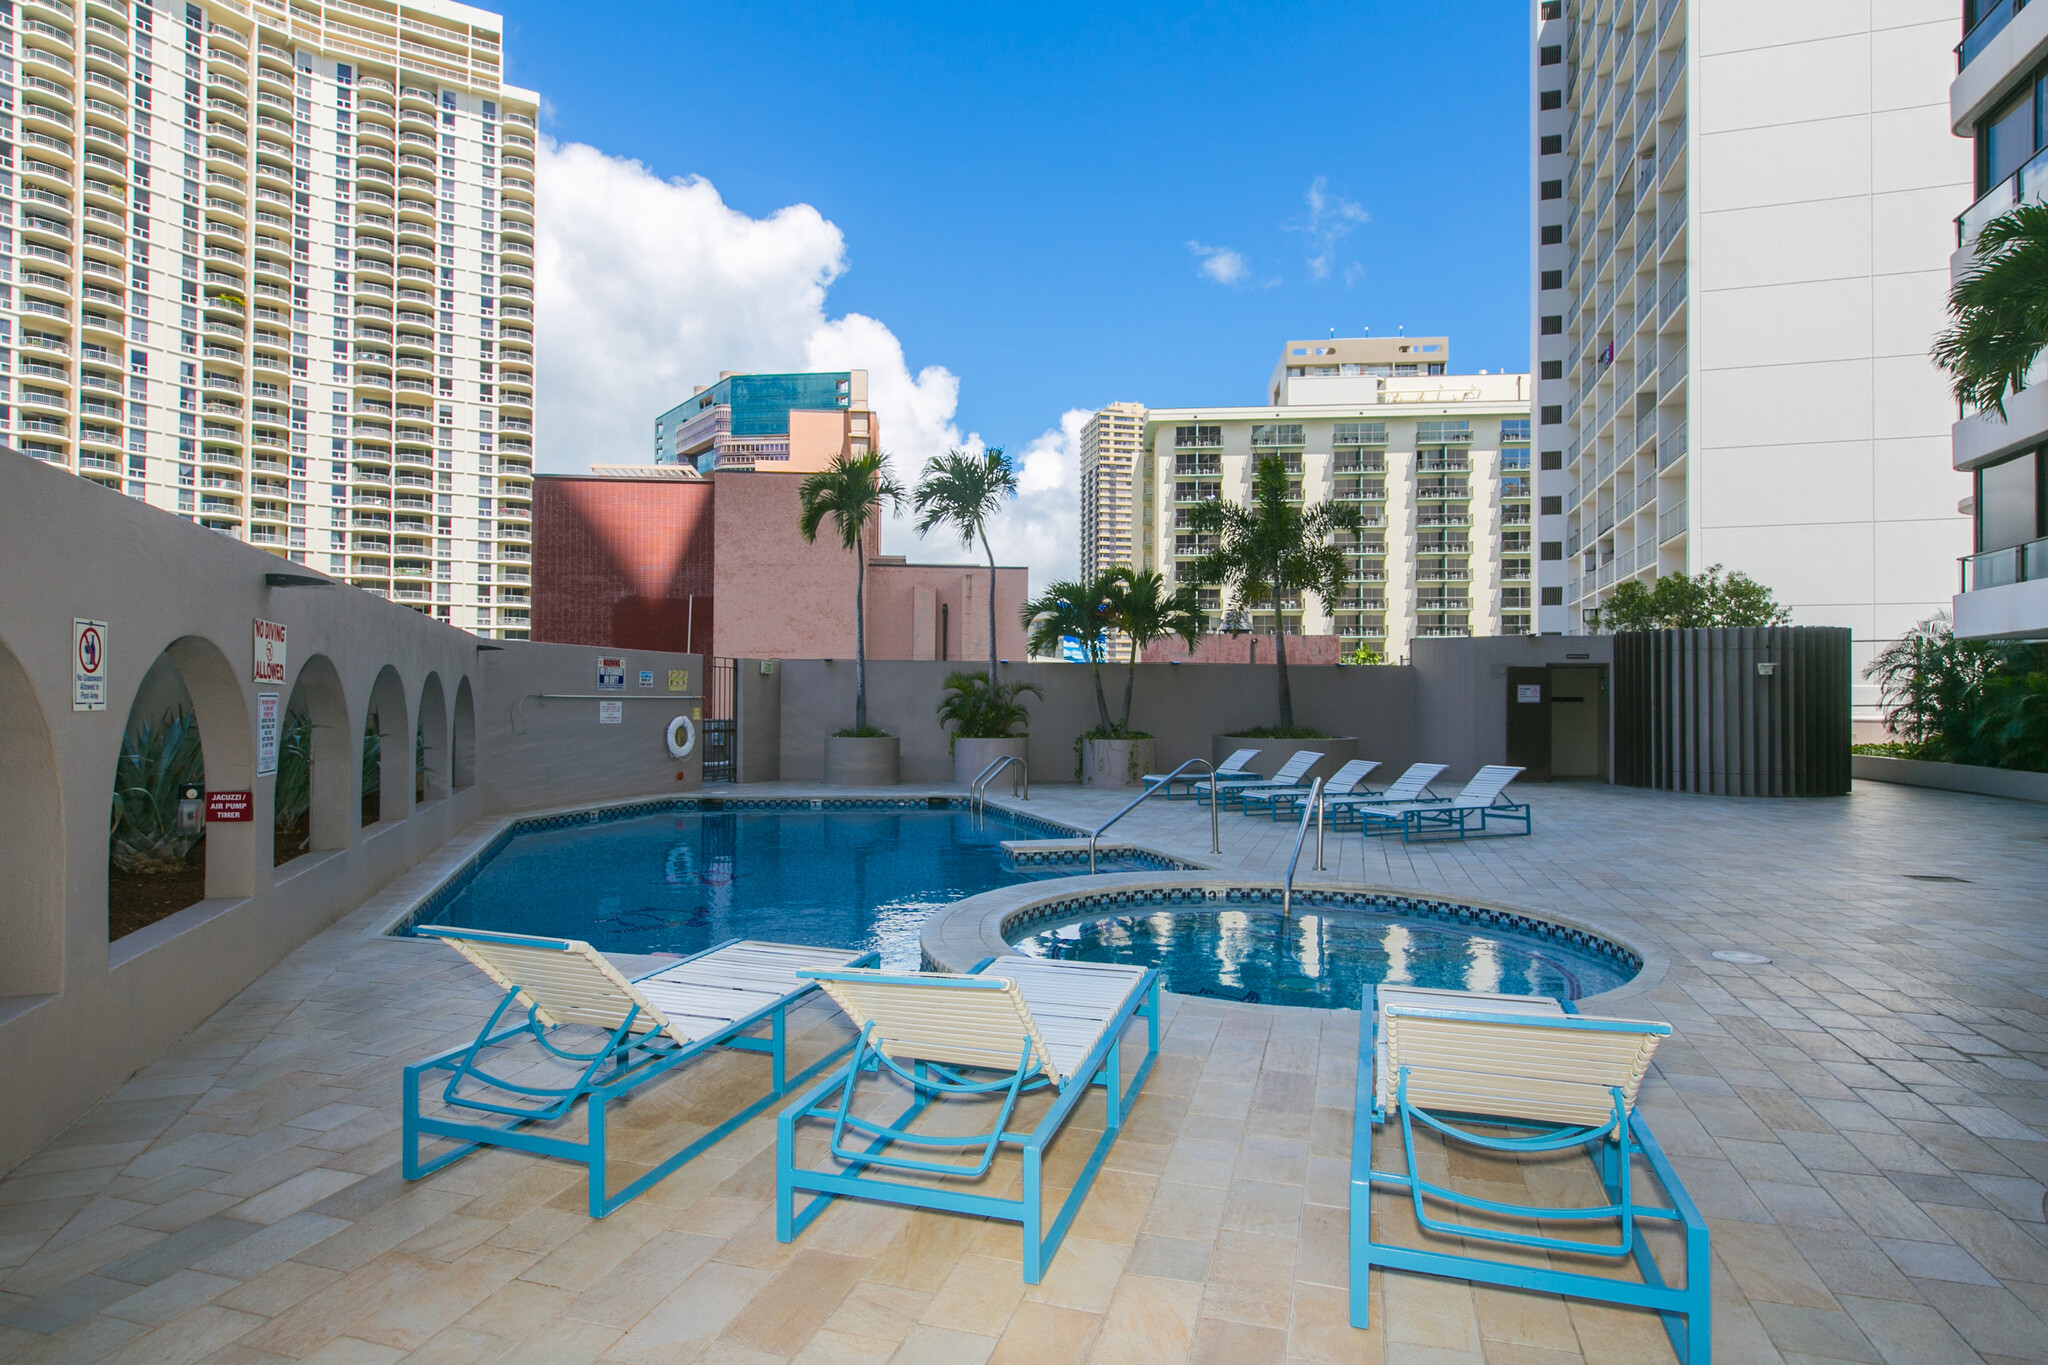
1956 777
851 762
970 756
1275 752
1115 762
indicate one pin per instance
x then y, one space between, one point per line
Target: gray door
1576 720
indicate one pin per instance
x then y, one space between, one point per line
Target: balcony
2027 185
2026 563
1671 524
1991 21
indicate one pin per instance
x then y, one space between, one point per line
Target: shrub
1965 701
979 709
155 760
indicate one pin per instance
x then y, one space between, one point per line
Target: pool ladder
1215 832
978 789
1316 803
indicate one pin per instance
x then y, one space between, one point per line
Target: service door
1529 730
1577 722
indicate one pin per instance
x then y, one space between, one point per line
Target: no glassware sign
269 652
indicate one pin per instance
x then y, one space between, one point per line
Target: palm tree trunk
860 638
1130 676
1280 658
1101 701
988 550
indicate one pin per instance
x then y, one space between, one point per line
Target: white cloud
1220 263
648 287
1331 218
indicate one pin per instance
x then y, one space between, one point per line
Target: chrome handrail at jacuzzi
1215 830
978 789
1315 807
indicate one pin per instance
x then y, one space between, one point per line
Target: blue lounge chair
1280 801
1290 775
1483 801
1234 766
1546 1081
642 1029
1026 1024
1411 786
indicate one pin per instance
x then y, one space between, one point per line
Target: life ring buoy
681 747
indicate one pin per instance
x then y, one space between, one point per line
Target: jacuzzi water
1327 957
679 882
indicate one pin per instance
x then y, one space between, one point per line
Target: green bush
977 709
294 797
1680 601
154 762
1280 732
1983 702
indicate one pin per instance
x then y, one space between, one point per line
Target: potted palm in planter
852 493
985 718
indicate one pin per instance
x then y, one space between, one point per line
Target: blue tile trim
1126 856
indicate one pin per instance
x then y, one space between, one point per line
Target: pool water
681 882
1327 958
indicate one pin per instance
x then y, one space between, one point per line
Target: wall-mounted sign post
611 675
88 665
269 653
229 808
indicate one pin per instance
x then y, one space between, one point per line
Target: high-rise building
1738 269
279 258
1997 101
1110 442
782 423
1437 463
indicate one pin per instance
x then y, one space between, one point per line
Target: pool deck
1864 1120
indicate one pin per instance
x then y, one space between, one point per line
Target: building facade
1997 101
786 423
1110 442
1438 466
1738 270
273 271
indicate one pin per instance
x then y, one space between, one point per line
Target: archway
430 743
462 767
314 765
31 811
387 751
187 726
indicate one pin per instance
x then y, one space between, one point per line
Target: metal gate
721 722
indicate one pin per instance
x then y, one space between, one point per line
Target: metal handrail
1215 830
1315 805
978 789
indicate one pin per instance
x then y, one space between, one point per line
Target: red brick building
624 561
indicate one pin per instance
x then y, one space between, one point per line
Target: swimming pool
1330 950
680 878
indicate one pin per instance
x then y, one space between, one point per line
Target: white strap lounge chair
1290 775
1234 766
1482 802
1410 786
644 1027
1280 801
1545 1080
1027 1024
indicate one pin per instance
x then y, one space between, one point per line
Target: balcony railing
1671 523
1990 23
2027 185
2001 568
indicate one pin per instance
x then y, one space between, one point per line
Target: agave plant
978 710
154 762
294 793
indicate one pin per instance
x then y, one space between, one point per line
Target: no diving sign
88 665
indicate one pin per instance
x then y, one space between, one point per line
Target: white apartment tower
1109 454
269 266
1437 463
1738 270
1997 101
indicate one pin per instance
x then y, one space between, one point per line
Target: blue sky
1018 189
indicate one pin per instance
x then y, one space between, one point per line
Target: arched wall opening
188 726
315 766
31 811
462 747
430 743
387 754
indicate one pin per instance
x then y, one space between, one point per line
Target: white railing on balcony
1671 523
1674 369
1673 296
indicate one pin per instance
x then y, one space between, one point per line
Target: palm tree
2000 310
1272 549
852 492
963 491
1076 609
1142 608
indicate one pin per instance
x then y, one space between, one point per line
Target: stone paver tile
1046 1334
1149 1321
186 1339
1767 1265
1880 1209
565 1341
408 1322
1082 1276
795 1302
928 1345
978 1297
170 1297
67 1303
1909 1333
1818 1333
1996 1241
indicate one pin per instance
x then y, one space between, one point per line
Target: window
1552 144
1514 429
1553 459
1553 325
1553 279
1550 99
1550 55
2009 508
1553 506
1198 436
1553 549
1553 189
1553 234
1553 597
1553 9
1553 369
2007 139
1553 414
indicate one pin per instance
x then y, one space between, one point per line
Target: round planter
1275 752
971 756
1115 762
853 762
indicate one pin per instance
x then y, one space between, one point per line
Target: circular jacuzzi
1231 942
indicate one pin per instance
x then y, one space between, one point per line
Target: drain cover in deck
1934 877
1746 959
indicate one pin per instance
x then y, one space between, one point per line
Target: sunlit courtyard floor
1864 1121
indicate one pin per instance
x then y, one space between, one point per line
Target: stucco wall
778 597
905 623
1461 690
538 721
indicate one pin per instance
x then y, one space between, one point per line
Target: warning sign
1529 692
267 715
611 712
88 665
611 675
679 680
647 677
229 808
269 667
